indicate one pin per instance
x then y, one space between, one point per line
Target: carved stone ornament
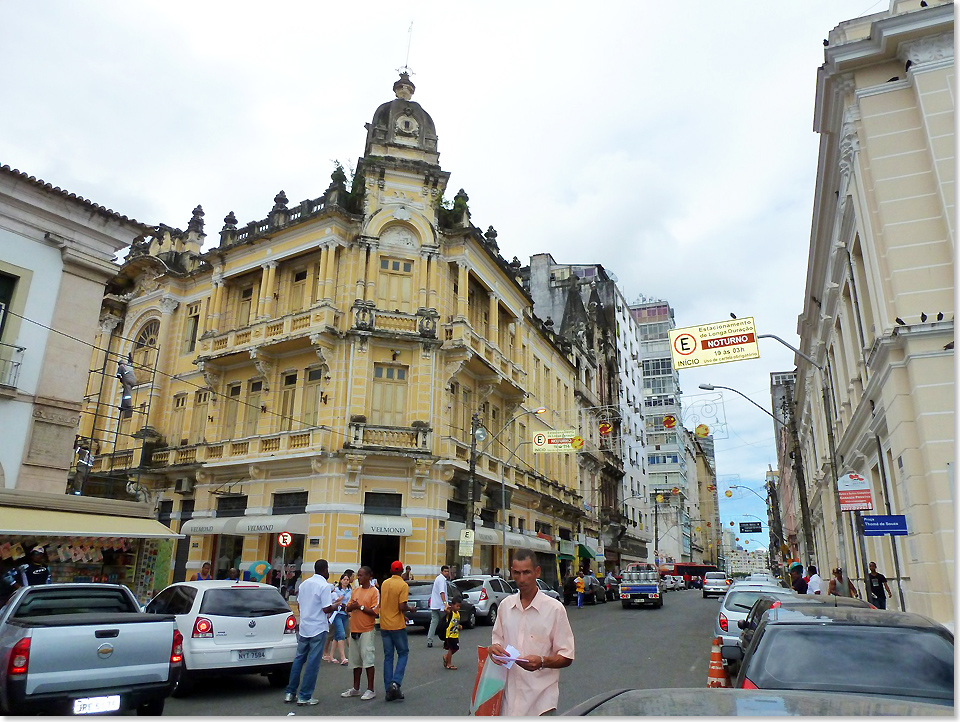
420 475
354 469
210 377
364 318
928 50
264 367
257 472
849 145
401 214
148 281
203 477
452 369
317 465
428 326
484 391
324 365
168 304
399 238
108 322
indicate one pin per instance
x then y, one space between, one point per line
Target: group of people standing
354 611
840 585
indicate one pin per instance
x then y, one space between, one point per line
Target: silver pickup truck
69 649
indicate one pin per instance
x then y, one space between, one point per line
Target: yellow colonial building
316 372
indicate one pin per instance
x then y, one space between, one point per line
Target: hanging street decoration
669 421
702 431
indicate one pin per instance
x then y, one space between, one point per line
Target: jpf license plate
94 705
251 654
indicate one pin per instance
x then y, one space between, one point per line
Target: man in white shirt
438 602
815 585
316 602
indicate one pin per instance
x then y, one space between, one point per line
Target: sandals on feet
345 661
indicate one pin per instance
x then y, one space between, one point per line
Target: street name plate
749 527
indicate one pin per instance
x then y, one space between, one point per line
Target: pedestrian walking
796 578
452 634
438 602
407 575
537 626
393 631
204 574
316 603
580 590
364 605
814 583
336 639
35 571
876 583
841 585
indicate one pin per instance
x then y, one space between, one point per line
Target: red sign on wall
854 492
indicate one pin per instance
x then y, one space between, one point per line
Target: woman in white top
338 634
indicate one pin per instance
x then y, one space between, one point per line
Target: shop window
389 400
190 330
290 502
457 511
234 505
229 549
380 503
288 400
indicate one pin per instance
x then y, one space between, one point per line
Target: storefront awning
44 522
487 536
540 545
273 524
588 553
482 535
210 525
383 525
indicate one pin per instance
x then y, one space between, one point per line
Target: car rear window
49 602
419 588
716 575
838 658
742 601
468 585
242 601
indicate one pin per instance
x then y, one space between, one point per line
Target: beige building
316 372
878 310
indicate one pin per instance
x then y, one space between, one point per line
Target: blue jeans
339 633
394 639
309 649
579 599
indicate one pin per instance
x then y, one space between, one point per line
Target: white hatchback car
230 628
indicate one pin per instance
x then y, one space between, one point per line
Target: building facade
317 372
879 300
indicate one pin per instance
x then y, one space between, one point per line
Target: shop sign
386 525
565 547
854 492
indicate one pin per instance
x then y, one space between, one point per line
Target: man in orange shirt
363 606
538 627
393 630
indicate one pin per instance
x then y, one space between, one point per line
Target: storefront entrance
228 555
378 552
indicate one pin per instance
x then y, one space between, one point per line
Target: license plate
251 654
93 705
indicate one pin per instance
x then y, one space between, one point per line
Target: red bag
487 698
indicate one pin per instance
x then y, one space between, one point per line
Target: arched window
144 349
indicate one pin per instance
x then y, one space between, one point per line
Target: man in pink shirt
537 626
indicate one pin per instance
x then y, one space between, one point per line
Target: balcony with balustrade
372 437
277 335
11 359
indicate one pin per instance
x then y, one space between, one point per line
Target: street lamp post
798 471
503 505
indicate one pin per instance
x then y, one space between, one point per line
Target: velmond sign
714 343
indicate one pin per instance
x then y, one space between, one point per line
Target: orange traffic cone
716 676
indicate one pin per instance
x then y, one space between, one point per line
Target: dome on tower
401 127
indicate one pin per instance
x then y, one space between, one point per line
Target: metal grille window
381 503
290 502
231 505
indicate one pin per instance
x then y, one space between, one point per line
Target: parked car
418 597
734 606
747 703
715 584
485 592
823 649
593 590
542 586
70 649
788 600
230 628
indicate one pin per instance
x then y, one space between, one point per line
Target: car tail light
871 606
483 594
202 628
775 605
747 684
291 626
176 652
19 657
723 622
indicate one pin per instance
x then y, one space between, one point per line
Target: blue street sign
895 525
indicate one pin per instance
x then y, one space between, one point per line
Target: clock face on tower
407 126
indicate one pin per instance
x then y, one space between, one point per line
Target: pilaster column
212 320
424 275
168 305
333 271
360 263
322 273
373 271
270 307
262 298
493 323
463 282
432 286
518 343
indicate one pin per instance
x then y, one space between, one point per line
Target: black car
418 597
593 590
823 649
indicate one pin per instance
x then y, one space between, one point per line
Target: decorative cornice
167 304
924 51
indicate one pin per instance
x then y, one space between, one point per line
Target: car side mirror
742 624
731 653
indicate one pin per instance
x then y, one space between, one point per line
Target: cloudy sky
671 142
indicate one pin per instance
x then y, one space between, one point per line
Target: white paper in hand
512 655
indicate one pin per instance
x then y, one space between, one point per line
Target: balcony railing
11 358
368 436
366 317
239 450
266 332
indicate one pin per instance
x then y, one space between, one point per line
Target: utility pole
798 473
471 480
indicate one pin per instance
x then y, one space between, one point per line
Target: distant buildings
740 561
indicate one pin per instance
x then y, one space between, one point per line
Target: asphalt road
641 648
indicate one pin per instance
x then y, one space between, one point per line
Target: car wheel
660 603
625 604
705 595
153 708
492 616
279 677
471 620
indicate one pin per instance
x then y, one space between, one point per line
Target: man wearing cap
35 571
796 576
393 630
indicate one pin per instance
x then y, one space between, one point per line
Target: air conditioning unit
183 486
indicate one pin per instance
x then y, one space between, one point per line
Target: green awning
585 552
567 557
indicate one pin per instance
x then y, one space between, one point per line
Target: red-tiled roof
40 183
